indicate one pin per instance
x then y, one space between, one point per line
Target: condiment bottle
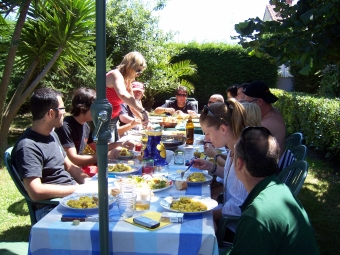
189 128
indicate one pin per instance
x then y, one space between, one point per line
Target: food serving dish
172 142
210 203
168 124
65 200
150 181
177 177
134 168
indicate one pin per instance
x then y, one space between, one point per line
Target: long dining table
195 235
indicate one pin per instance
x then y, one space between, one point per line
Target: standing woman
118 89
222 125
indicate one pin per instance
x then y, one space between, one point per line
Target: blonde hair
253 114
231 113
132 60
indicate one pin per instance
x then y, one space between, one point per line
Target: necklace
266 113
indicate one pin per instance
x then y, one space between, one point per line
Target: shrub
317 118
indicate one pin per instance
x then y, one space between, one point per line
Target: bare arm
80 160
127 127
126 118
39 191
161 109
75 171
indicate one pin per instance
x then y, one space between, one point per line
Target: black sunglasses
206 111
182 95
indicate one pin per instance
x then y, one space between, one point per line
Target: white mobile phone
146 222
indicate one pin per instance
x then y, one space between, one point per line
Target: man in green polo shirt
273 221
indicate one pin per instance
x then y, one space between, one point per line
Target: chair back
14 174
294 175
299 151
293 140
191 99
21 187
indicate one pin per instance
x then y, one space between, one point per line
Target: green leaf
305 70
243 24
307 17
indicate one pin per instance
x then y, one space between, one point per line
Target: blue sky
206 21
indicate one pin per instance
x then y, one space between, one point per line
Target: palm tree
52 35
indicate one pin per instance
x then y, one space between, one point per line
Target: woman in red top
118 89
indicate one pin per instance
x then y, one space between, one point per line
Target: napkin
152 215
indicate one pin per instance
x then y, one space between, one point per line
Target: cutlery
182 174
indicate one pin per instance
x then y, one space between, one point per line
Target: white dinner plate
133 170
177 177
64 201
167 187
210 203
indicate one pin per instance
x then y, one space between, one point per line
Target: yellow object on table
152 215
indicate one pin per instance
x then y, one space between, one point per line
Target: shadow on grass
18 208
320 198
16 234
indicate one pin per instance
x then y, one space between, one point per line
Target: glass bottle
189 128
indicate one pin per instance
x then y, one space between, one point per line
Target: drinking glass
147 166
143 198
179 158
126 204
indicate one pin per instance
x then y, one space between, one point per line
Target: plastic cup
143 198
126 204
127 186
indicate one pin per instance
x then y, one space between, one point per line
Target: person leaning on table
38 155
119 90
180 106
273 221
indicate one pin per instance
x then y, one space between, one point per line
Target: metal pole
101 111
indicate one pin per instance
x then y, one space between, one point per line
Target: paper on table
152 215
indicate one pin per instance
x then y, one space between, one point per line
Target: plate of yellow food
156 184
84 202
188 204
193 178
122 169
125 154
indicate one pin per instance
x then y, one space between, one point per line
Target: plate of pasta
84 202
122 169
188 204
195 178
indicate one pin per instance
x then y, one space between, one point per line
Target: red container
138 147
147 170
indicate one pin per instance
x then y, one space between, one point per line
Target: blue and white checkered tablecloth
194 236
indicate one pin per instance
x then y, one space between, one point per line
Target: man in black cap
271 118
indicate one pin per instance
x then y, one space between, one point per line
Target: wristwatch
216 156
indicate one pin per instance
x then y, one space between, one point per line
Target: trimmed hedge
317 118
220 65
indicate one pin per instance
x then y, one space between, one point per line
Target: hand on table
114 153
128 144
170 110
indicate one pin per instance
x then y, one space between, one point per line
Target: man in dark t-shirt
38 156
75 134
180 106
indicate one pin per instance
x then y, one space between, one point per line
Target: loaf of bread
181 185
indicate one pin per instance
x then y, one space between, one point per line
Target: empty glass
126 204
179 158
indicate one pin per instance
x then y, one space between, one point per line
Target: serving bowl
168 124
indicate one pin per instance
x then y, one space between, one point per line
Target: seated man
75 134
240 95
273 221
215 98
38 156
271 118
180 106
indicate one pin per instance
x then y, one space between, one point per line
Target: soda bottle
189 128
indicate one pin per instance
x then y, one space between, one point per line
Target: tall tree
306 34
50 37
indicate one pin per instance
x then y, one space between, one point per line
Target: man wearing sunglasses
180 106
273 221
